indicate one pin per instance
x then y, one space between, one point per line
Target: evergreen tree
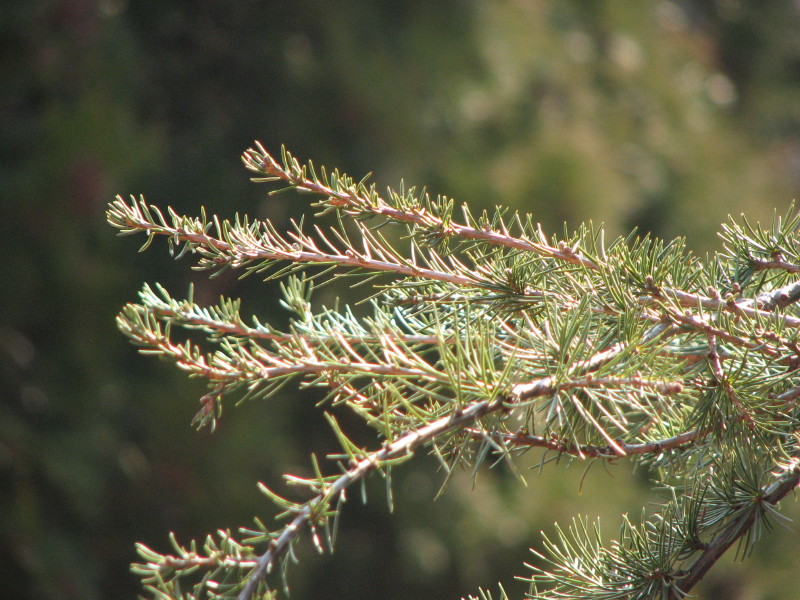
486 339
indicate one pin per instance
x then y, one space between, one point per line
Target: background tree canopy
662 115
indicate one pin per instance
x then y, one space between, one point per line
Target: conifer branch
399 449
357 200
634 350
779 298
776 263
239 247
721 380
736 529
740 308
619 450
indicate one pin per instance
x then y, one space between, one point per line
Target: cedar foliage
486 339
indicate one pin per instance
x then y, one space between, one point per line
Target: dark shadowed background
662 115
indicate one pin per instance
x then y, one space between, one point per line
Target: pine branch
618 450
779 298
634 350
239 246
224 320
734 531
347 195
399 449
740 308
356 199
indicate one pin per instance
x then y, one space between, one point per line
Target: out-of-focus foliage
667 115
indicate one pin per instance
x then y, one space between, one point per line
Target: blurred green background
664 115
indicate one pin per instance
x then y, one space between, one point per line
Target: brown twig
777 263
582 451
401 447
733 531
260 161
715 362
